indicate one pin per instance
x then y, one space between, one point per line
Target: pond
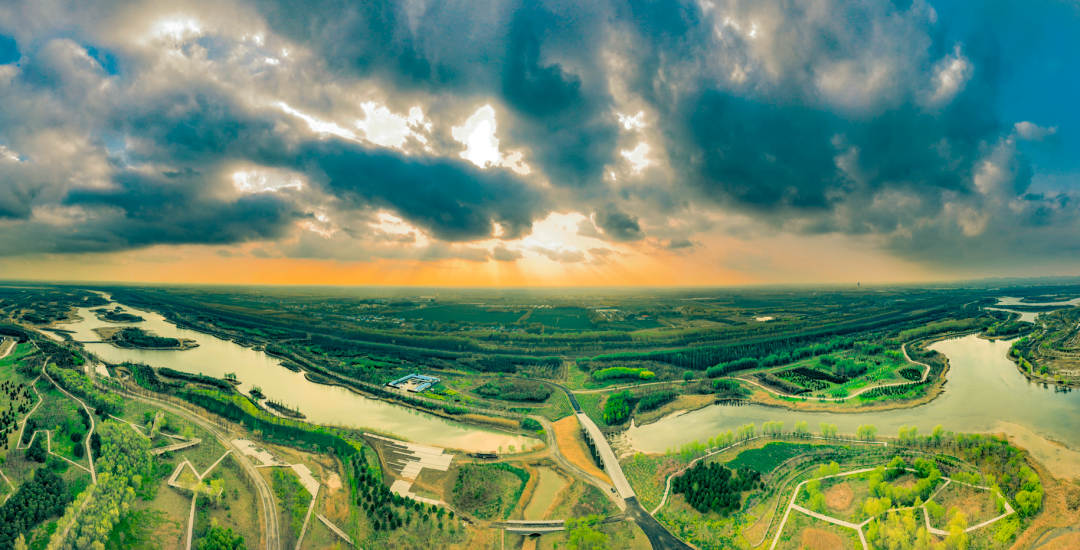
326 405
984 392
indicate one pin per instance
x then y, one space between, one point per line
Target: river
326 405
984 392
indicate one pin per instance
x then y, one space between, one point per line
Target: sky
547 143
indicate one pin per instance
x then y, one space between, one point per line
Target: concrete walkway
175 447
90 415
611 462
667 489
335 529
859 527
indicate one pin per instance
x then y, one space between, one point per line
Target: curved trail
93 425
903 348
266 497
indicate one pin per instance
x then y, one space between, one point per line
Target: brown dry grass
816 539
839 497
1064 542
574 448
906 481
685 403
1056 512
504 423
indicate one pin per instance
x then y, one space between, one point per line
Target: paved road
659 537
604 487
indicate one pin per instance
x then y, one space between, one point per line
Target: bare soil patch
816 539
839 497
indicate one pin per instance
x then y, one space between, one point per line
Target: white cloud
478 135
1033 132
387 129
176 29
636 122
257 181
481 145
8 154
951 74
320 126
637 157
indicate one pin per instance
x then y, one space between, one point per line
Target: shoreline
108 336
764 398
473 419
1070 384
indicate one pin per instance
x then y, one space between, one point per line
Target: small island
116 315
136 338
285 410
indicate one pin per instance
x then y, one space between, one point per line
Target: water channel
984 392
326 405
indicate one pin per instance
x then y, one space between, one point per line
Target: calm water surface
547 488
327 405
983 389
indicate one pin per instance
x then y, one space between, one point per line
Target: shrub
531 425
617 408
656 400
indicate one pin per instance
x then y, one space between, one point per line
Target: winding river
984 392
326 405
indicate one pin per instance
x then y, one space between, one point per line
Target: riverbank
761 396
481 420
1070 384
681 405
111 335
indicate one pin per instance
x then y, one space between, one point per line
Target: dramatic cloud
353 131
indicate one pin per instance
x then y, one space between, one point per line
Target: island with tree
136 338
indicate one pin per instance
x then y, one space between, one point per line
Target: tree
20 543
802 429
583 534
37 452
936 435
218 538
957 539
867 432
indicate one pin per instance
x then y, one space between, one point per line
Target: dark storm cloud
618 226
862 118
142 210
452 199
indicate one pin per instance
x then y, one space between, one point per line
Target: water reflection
326 405
983 388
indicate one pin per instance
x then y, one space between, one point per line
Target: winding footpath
903 348
858 527
266 497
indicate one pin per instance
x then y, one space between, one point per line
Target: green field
767 458
463 313
562 318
